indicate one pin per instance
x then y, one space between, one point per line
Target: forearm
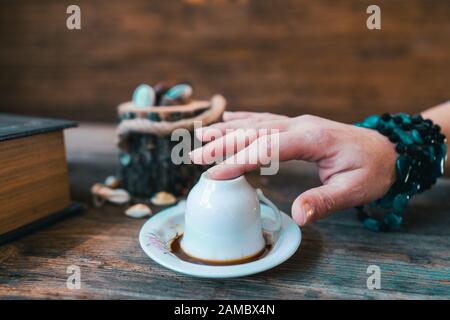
441 115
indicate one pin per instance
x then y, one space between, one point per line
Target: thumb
319 202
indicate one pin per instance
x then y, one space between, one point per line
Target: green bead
400 202
125 159
405 117
385 202
371 121
404 137
391 124
443 150
393 220
415 135
403 168
415 189
438 167
372 224
431 154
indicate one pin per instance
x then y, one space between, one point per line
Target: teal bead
438 167
393 220
127 116
403 168
404 137
390 124
415 189
359 124
415 135
125 159
371 121
405 117
431 154
443 150
400 202
143 96
385 202
372 224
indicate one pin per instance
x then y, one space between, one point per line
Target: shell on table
112 182
163 198
102 193
138 211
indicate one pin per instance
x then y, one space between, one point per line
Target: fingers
258 153
263 151
218 129
219 149
319 202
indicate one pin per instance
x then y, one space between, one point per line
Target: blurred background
288 57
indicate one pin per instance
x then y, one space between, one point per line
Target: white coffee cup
223 220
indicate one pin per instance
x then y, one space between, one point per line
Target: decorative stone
372 224
112 182
404 137
403 168
371 121
138 211
393 220
163 199
117 196
179 94
415 135
143 96
160 90
125 159
400 203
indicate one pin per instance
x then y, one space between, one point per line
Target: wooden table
331 262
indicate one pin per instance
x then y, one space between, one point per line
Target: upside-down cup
223 221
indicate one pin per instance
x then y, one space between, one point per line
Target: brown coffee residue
175 248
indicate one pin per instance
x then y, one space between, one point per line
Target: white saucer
158 231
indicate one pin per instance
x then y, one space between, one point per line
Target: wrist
421 153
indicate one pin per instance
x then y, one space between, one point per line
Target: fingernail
212 169
306 213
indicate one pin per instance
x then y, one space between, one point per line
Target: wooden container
145 145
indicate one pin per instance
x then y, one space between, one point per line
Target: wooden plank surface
331 262
289 56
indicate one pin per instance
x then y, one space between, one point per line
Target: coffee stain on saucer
175 249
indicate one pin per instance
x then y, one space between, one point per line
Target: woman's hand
356 165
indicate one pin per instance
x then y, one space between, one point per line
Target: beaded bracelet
422 152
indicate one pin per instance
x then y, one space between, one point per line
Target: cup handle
275 227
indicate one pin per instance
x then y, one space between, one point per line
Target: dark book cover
15 126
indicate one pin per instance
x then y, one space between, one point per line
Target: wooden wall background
289 57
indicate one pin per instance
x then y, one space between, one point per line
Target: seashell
144 96
112 182
138 211
118 196
163 199
179 94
